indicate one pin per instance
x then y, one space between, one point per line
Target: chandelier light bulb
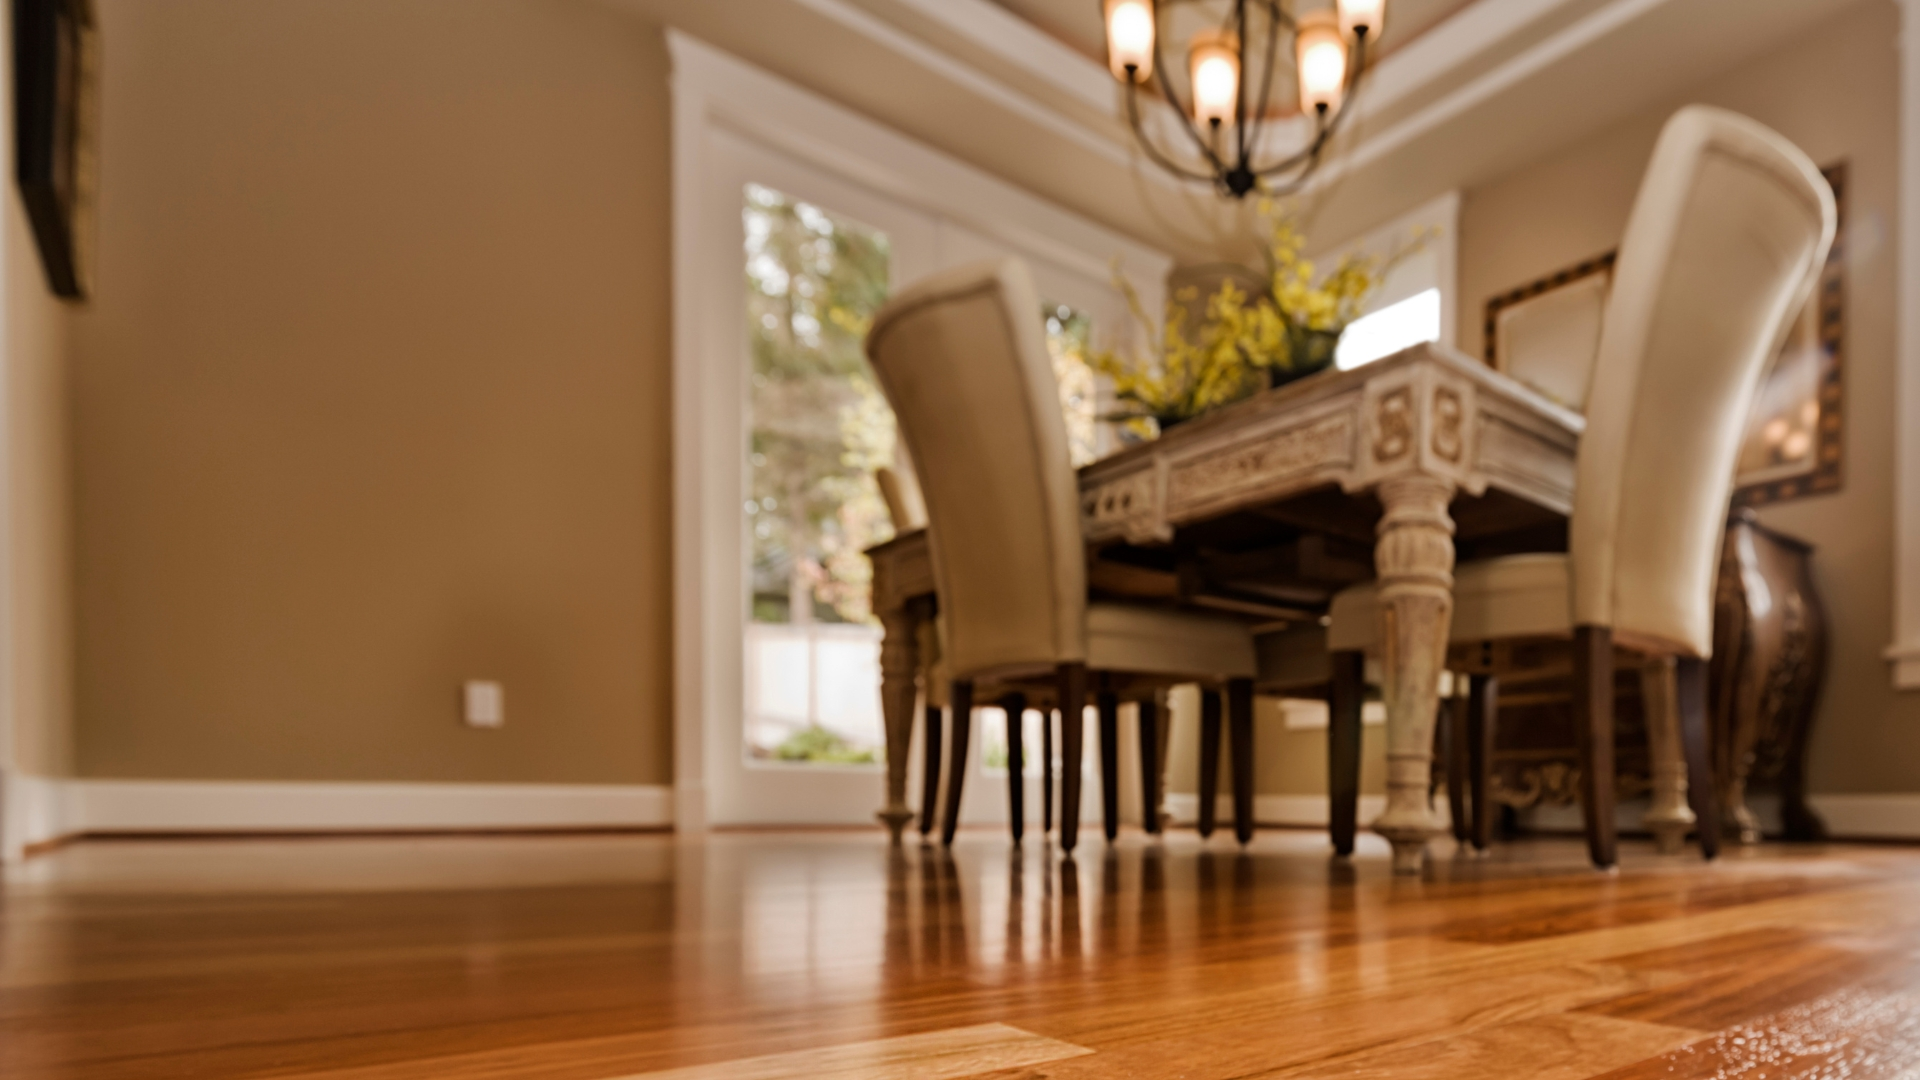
1368 17
1213 61
1130 39
1321 56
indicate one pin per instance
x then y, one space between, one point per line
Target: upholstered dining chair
962 360
1725 240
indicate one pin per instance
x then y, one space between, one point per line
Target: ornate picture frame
1795 443
1796 438
56 50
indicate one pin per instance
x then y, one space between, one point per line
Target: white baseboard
1298 810
41 810
1869 817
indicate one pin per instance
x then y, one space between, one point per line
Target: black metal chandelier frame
1236 174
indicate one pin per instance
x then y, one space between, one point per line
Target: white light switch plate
485 704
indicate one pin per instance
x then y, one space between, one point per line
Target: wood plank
1563 1047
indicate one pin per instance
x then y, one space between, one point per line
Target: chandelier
1222 120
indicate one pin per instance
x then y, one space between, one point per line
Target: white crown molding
1905 651
1556 48
40 810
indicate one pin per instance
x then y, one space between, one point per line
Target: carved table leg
1668 817
1413 556
899 672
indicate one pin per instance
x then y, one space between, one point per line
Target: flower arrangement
1288 332
1294 330
1194 373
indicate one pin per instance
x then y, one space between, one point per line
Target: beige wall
1835 94
39 594
374 395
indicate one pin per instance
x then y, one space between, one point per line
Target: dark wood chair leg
930 784
1073 726
1210 702
1110 762
1240 738
1483 709
961 699
1150 765
1593 726
1346 692
1690 677
1015 706
1046 770
1454 715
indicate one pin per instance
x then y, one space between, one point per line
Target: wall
38 570
373 397
1835 94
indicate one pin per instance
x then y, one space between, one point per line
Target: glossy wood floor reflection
762 957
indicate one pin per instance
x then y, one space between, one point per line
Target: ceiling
1077 22
1469 92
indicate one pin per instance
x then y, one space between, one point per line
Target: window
1390 329
820 428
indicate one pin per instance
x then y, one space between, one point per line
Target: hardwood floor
762 957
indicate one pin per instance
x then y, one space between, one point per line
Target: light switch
486 705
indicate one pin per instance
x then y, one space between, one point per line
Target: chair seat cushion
1146 640
1510 597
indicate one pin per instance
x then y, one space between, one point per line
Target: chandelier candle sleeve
1130 39
1236 76
1214 63
1363 17
1322 61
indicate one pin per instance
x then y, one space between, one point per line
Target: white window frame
1437 266
978 215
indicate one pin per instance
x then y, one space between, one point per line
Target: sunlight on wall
1392 328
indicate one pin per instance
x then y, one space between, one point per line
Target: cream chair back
963 360
1726 239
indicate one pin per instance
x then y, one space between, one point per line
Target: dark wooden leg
1240 738
1073 726
1483 708
930 785
961 701
1346 692
1110 762
1690 678
1455 720
1593 726
1209 758
1015 706
1150 765
1046 770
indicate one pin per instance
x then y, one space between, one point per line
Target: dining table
1389 471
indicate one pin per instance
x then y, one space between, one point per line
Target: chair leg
1110 762
1073 726
1046 770
1454 715
1240 736
1483 709
1209 758
961 701
1015 706
1690 678
1346 692
930 785
1150 765
1593 726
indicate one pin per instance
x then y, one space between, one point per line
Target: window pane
1067 335
820 428
1392 328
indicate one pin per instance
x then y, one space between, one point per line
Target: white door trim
1905 650
714 92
